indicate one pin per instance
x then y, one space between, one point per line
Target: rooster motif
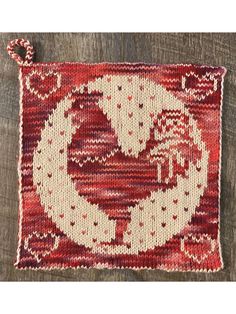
162 128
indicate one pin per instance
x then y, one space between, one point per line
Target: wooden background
213 49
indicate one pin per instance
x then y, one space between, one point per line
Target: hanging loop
28 59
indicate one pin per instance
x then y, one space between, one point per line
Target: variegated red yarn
119 165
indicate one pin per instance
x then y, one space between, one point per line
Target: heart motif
197 248
41 245
43 84
199 86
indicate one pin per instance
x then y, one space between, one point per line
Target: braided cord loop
28 59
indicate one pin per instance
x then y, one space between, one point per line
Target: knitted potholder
119 165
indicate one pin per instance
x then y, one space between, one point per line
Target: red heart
43 84
199 86
41 245
197 247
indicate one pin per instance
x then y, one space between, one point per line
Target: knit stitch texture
119 166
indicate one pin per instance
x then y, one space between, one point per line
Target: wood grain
205 48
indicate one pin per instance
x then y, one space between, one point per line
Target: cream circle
73 214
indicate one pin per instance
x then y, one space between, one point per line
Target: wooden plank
206 48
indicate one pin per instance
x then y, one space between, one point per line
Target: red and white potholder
119 165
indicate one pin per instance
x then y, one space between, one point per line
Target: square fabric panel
119 165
